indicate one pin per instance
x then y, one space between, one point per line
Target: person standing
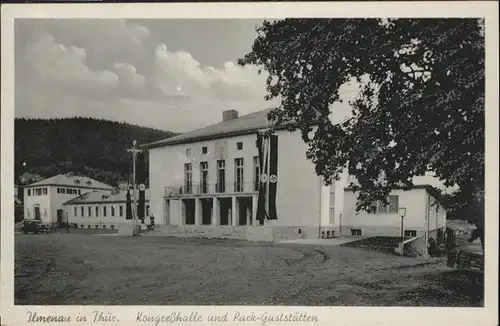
152 219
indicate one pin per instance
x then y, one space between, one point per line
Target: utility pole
134 150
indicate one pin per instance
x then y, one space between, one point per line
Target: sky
175 75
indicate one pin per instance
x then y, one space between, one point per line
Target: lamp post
402 213
134 150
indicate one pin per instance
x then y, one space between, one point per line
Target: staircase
412 247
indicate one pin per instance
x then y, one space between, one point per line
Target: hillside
96 148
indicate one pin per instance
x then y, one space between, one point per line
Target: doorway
189 205
60 216
36 211
225 211
206 211
244 211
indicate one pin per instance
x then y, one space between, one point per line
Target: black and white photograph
289 162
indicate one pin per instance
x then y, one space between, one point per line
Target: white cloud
105 40
114 69
64 66
129 78
178 73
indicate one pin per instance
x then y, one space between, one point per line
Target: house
423 214
44 199
101 209
206 183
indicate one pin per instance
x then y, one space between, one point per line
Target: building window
82 211
239 145
75 211
90 211
97 211
355 231
204 150
79 191
204 177
392 208
410 233
221 176
332 205
238 186
256 178
69 191
113 210
188 152
89 226
121 210
63 190
29 192
104 211
45 191
147 210
393 204
38 191
188 178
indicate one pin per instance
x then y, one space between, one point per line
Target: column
216 211
234 211
181 212
197 211
254 210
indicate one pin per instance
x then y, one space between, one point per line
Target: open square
83 269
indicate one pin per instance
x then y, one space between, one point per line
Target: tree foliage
91 147
420 107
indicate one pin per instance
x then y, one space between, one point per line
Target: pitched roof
102 197
71 180
243 125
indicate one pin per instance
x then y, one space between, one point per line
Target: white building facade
101 210
205 183
44 200
424 214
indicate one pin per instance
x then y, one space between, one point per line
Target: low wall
251 233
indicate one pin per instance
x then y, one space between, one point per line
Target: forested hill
95 148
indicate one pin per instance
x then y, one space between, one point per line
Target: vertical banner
273 176
141 180
261 203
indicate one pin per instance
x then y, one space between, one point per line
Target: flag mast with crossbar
134 150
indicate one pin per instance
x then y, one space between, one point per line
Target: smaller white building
425 215
101 210
44 199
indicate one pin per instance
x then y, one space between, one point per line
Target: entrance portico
214 210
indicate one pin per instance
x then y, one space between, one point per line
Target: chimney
229 115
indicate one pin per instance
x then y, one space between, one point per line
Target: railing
209 189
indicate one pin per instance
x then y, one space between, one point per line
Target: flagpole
134 151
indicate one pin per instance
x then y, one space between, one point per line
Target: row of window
44 191
70 191
37 191
221 175
86 211
204 149
407 233
89 226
